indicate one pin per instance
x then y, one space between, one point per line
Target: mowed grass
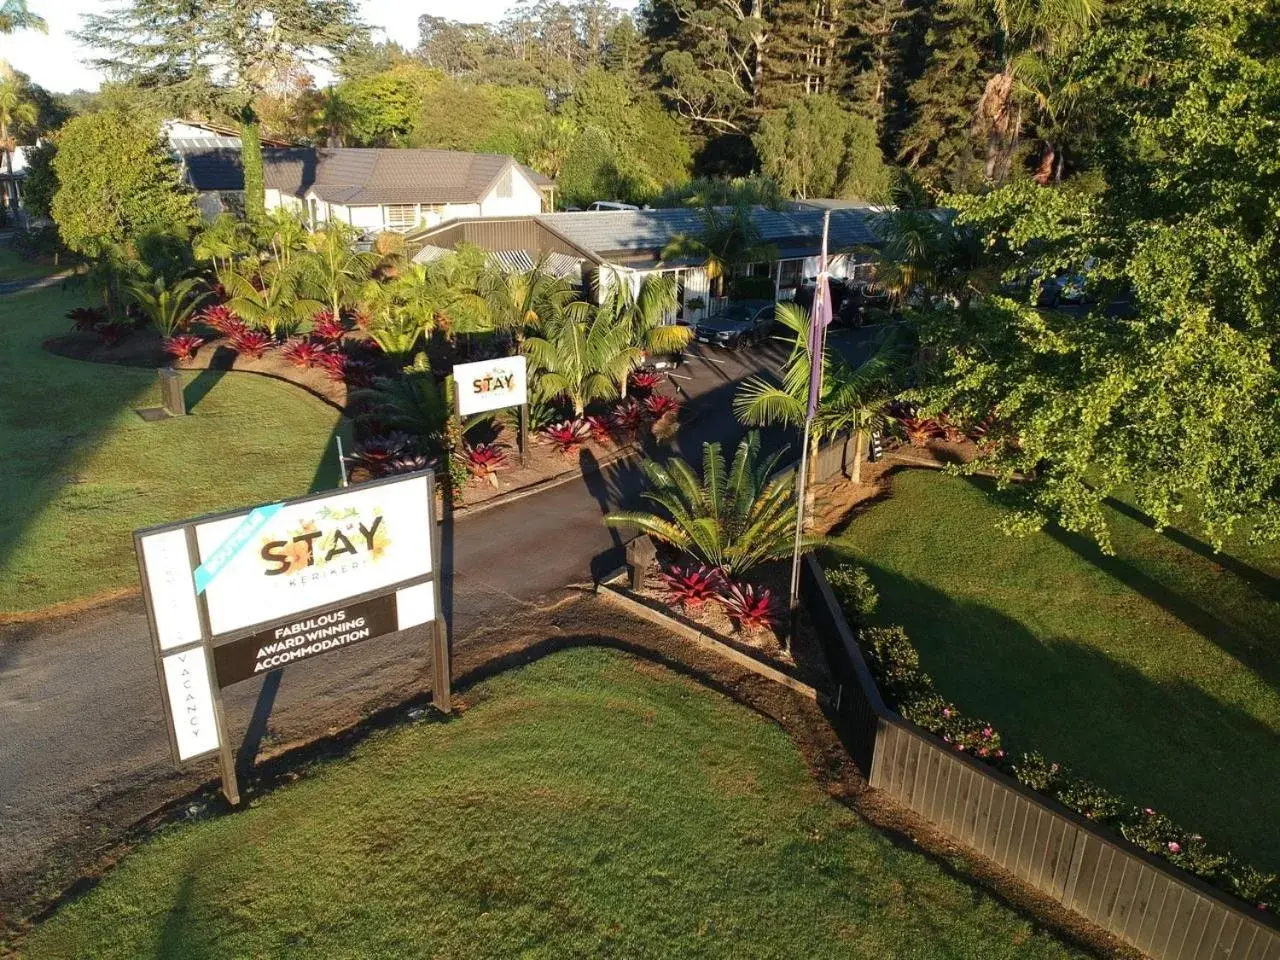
1155 672
13 267
588 805
80 470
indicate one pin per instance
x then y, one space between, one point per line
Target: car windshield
736 313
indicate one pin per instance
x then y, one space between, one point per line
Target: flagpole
819 318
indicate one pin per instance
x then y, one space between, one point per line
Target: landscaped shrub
601 428
303 353
220 318
183 346
113 332
854 591
358 374
408 462
749 609
895 665
377 454
643 382
691 587
567 436
251 343
657 405
629 417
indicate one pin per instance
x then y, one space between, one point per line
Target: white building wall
525 200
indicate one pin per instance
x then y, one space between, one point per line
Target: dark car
740 323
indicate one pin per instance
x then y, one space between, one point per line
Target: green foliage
814 147
645 313
41 184
412 402
854 590
271 299
725 240
169 306
382 109
581 354
591 171
334 268
731 517
221 242
15 15
117 182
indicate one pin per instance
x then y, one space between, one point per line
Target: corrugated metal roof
351 175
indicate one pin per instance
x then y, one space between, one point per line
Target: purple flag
819 320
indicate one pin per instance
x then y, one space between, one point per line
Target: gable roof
356 175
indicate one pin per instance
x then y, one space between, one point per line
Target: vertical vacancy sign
234 596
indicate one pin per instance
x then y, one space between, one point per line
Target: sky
56 61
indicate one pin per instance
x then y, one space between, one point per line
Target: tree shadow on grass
1164 743
201 386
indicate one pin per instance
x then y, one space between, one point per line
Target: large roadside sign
234 596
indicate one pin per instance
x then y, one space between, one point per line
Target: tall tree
1170 395
218 55
814 147
15 15
15 108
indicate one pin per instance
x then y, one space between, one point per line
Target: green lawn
79 470
588 805
1155 672
13 267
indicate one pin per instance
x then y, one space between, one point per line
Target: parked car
740 323
612 205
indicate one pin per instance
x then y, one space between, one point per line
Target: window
401 216
791 274
505 190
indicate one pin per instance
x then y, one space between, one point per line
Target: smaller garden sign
234 596
491 385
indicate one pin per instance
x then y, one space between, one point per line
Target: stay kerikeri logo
331 541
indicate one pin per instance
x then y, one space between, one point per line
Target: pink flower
999 753
1175 847
987 732
1262 906
946 711
983 751
1053 768
1196 836
946 737
1148 811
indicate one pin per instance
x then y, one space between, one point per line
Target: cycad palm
850 395
169 307
732 517
645 313
582 355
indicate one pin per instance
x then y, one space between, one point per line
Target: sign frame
208 641
523 439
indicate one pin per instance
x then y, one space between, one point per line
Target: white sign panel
186 681
491 384
173 595
277 561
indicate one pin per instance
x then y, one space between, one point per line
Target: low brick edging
1135 896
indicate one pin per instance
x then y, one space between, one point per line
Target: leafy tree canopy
814 147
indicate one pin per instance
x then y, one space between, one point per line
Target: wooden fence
1145 901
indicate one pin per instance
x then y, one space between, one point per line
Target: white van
612 205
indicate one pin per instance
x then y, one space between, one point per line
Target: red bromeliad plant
303 353
484 460
250 343
643 382
183 346
333 363
408 463
220 317
567 436
659 406
747 608
86 319
691 587
951 431
601 428
358 374
325 326
377 455
629 417
113 332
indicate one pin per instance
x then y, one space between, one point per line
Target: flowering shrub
895 664
220 317
325 326
484 460
658 406
601 428
691 587
183 346
86 319
643 382
567 436
747 608
629 416
250 343
303 353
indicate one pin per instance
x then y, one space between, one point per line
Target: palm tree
170 308
15 16
221 242
523 300
924 251
849 399
645 314
285 232
14 108
582 354
269 299
731 519
727 238
336 268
